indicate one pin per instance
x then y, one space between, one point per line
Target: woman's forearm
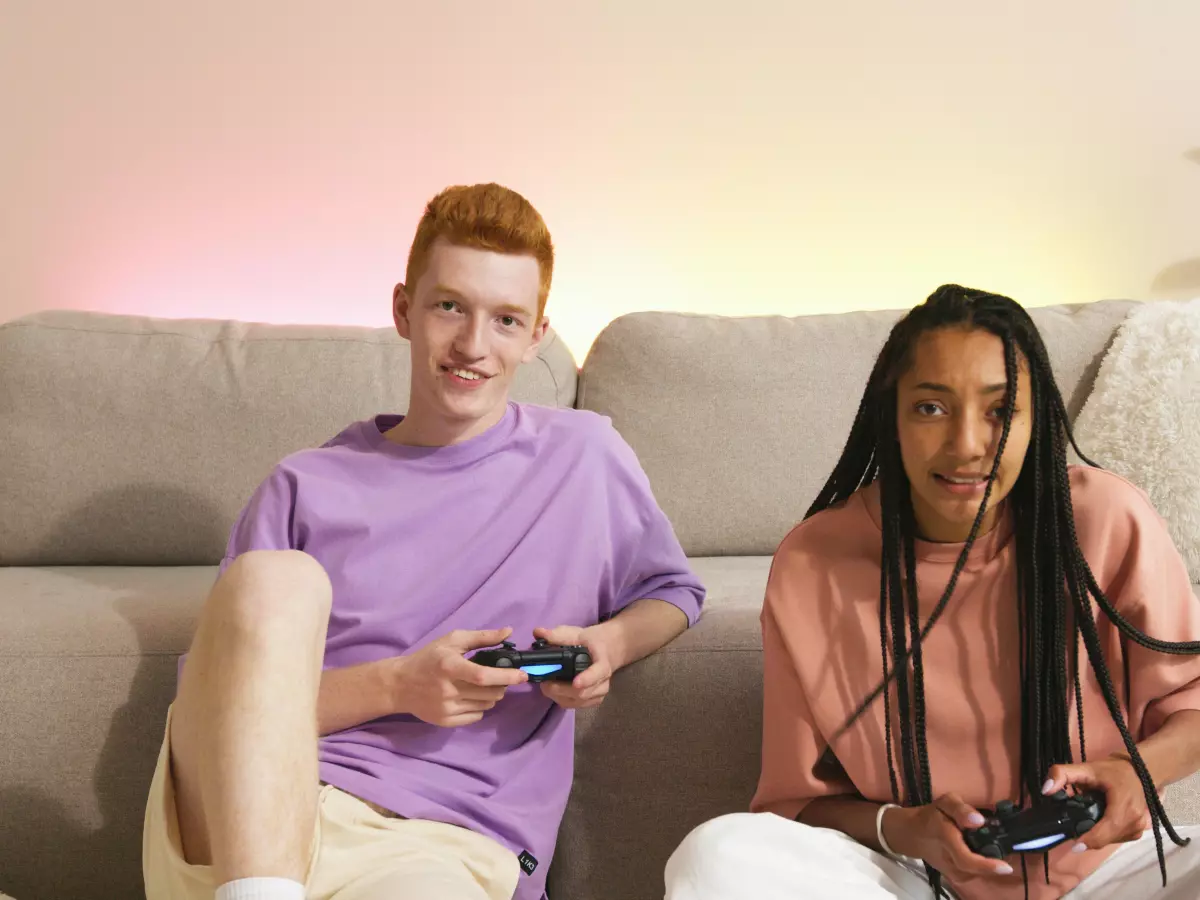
1173 752
853 816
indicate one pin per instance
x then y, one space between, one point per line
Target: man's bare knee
265 602
267 589
292 568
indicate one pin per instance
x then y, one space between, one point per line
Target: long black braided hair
1055 585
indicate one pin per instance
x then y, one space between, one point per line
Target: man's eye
447 305
508 321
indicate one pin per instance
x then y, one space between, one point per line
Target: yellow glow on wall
269 161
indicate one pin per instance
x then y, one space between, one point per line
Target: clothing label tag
528 863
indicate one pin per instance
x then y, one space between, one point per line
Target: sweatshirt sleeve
651 562
1155 594
267 520
1129 548
797 766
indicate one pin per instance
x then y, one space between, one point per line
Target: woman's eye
508 321
446 305
928 409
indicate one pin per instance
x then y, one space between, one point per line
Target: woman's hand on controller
439 685
1126 816
590 686
934 833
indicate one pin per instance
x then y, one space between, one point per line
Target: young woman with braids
1052 644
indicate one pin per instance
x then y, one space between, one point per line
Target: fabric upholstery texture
135 441
737 454
131 443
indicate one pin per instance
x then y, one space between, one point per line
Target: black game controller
1037 828
542 661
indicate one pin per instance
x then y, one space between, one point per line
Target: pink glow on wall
269 161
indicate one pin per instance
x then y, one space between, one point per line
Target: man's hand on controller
934 833
590 686
1126 816
439 685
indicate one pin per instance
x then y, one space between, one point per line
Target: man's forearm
1173 752
354 695
641 628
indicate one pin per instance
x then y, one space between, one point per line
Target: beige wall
269 160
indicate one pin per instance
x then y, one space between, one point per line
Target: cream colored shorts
356 853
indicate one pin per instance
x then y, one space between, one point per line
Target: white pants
767 857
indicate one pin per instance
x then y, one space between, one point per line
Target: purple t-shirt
545 519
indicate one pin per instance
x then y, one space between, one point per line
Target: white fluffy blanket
1142 419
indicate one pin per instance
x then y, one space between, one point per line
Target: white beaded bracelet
879 830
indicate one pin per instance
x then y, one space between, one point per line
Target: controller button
1059 795
504 663
1083 827
1005 807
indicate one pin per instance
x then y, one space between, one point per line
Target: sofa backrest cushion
135 441
739 421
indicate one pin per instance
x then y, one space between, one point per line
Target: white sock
261 889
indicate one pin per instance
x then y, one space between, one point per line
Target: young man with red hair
330 736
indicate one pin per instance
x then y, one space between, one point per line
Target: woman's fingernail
1079 848
1004 869
975 819
1048 786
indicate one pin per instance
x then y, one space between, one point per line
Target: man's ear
539 332
400 309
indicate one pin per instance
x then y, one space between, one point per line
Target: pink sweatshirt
821 652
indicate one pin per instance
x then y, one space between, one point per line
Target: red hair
487 217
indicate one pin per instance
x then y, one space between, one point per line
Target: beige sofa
127 446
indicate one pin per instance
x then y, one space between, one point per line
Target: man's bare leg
244 723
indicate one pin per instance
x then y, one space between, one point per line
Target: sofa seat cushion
87 669
676 743
88 659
